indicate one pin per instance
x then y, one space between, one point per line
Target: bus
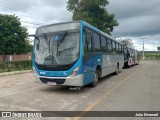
74 54
131 57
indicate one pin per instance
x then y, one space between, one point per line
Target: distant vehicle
131 57
74 54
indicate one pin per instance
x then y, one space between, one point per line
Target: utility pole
143 47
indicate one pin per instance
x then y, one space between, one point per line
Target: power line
28 26
26 15
13 3
31 23
37 23
33 15
4 5
40 24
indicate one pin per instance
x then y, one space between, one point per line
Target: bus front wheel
95 82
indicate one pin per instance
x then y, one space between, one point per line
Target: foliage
154 55
15 65
93 12
158 48
12 36
126 42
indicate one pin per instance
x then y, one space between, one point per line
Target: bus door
88 59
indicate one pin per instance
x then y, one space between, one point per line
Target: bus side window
128 53
87 41
117 48
97 47
104 45
123 49
109 43
114 47
120 49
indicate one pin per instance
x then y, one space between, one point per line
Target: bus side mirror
31 38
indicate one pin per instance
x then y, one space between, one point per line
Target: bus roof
73 25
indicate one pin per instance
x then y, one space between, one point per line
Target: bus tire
95 82
129 63
117 70
129 66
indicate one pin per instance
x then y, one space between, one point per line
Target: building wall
17 57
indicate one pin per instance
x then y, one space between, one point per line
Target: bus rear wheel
95 82
117 70
129 66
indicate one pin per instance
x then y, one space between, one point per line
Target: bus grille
58 81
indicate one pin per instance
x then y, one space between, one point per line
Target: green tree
127 42
158 48
12 36
93 12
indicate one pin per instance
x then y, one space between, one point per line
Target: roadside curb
14 73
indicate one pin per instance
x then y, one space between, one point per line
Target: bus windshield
57 49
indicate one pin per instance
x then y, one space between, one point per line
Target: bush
15 65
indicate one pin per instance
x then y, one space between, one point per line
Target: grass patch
15 66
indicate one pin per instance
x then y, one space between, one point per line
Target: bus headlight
36 76
74 72
34 72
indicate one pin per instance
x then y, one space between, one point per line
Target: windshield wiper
59 43
47 41
63 37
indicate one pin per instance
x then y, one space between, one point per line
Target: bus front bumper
64 81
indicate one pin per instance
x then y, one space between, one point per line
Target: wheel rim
117 69
96 78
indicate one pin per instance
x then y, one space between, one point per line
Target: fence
15 66
152 57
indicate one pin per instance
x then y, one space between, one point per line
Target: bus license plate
51 83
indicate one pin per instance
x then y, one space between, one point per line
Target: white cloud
137 18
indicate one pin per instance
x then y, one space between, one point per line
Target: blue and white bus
131 57
74 54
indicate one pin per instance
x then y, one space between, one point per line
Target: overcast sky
137 18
